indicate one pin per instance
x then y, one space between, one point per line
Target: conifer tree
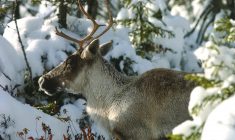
144 19
214 86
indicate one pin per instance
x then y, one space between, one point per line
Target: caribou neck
104 81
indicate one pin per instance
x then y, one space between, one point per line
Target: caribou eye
71 62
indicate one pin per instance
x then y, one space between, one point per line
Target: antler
89 37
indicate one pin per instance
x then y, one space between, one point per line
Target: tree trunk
62 14
92 8
79 13
17 10
231 6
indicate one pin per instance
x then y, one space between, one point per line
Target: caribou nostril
49 86
40 80
40 83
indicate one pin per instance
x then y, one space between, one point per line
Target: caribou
143 107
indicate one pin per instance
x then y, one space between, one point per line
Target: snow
39 40
220 123
177 22
45 9
162 4
218 64
153 6
45 50
186 128
197 7
25 116
214 55
123 14
25 25
179 10
10 64
229 81
197 96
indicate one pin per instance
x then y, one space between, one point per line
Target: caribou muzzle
49 86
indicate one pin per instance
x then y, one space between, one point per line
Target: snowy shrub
144 20
44 50
156 35
6 123
216 85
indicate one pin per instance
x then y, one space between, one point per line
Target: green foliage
223 92
126 2
216 87
4 7
127 65
195 134
50 108
36 2
175 137
3 10
200 80
214 98
225 26
143 31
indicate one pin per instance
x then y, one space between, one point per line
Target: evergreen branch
219 97
202 81
162 31
225 26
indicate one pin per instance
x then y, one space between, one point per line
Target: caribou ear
90 51
105 48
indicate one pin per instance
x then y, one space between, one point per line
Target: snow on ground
24 116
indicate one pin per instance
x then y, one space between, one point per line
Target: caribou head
63 76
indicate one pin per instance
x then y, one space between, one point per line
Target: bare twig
21 43
3 88
10 89
88 38
5 75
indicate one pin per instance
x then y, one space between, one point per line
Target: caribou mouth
46 92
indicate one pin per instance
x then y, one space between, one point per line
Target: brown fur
142 107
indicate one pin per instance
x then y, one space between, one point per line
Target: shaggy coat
143 107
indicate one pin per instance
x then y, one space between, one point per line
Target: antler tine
89 37
95 24
86 38
59 33
110 20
